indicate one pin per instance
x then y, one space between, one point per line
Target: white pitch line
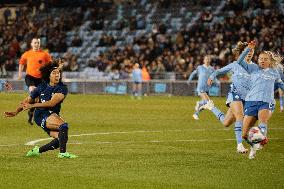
131 132
123 132
32 143
165 141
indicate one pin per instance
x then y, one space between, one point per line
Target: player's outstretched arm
192 75
251 45
56 98
19 108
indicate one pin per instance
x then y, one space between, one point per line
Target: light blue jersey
262 81
137 75
240 78
203 74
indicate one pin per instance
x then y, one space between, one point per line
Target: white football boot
241 149
209 105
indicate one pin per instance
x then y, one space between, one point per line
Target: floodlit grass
149 143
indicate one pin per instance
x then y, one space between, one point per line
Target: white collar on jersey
266 69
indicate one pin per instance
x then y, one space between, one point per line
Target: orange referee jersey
34 61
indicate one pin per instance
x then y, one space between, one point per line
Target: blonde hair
275 58
239 49
136 65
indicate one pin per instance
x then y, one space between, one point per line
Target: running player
203 72
51 92
33 59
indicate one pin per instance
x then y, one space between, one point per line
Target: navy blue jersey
45 92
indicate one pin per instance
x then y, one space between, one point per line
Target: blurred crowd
159 51
44 19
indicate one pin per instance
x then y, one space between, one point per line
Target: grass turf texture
173 153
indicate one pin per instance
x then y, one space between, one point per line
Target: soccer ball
255 135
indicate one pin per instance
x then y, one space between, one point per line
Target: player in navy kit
51 93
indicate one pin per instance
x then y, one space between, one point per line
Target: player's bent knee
226 124
53 134
264 118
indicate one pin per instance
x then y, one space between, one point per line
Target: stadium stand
169 38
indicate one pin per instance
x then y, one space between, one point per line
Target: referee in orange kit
34 59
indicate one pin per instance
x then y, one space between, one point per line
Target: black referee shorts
32 81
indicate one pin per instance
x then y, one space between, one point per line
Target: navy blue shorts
40 120
276 87
253 107
32 81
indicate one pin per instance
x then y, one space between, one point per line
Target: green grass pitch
150 143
